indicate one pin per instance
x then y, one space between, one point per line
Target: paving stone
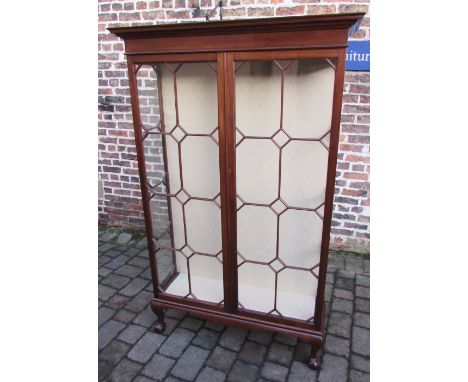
216 326
158 367
171 324
117 262
336 345
207 339
142 378
362 305
125 371
103 271
108 331
328 292
302 353
117 301
301 372
285 339
146 318
221 359
191 323
366 264
146 347
146 274
342 305
211 375
361 341
132 334
104 314
346 284
104 368
281 354
253 352
360 363
124 238
339 324
336 261
177 342
128 270
341 293
132 251
124 316
330 279
114 352
139 262
134 287
345 274
102 260
105 247
354 263
172 379
243 372
115 281
362 292
362 319
190 363
363 280
358 376
105 292
174 313
260 336
142 243
107 236
141 301
274 372
233 338
334 369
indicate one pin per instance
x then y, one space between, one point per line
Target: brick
135 16
158 367
259 12
146 347
190 363
290 11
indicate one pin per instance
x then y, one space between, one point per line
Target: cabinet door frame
134 62
338 56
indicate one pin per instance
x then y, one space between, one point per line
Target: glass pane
179 114
283 120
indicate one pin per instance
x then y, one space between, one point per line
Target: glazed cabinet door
282 117
180 148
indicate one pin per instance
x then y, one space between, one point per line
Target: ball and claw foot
314 362
159 327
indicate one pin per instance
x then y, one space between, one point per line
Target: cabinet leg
160 325
314 361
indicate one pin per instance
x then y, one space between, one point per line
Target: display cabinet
236 131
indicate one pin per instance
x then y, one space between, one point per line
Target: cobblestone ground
192 349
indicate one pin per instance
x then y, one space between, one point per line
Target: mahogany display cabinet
236 131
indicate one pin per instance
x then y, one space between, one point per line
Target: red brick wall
120 202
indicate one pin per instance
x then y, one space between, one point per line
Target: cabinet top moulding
299 32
